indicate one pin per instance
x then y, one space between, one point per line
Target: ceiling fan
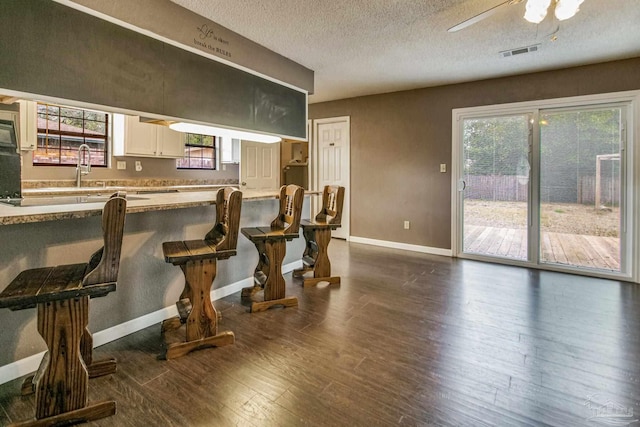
536 10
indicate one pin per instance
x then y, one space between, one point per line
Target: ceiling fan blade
479 17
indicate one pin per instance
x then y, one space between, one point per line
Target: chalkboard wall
50 49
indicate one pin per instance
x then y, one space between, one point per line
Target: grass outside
570 218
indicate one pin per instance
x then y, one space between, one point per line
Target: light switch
407 225
443 167
121 165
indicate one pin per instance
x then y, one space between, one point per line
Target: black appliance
10 186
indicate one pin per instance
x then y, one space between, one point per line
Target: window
62 130
199 152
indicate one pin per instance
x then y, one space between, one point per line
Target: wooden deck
557 248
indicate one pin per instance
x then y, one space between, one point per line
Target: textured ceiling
363 47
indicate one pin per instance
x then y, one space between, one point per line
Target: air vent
520 50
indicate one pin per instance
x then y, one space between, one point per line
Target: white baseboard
30 364
403 246
20 367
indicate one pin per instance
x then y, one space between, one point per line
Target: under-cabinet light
216 131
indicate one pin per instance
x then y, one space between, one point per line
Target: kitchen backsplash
143 182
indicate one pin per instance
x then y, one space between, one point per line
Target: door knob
244 183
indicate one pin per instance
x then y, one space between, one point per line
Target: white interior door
331 164
259 166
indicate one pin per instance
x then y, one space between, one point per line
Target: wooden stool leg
63 384
202 323
95 368
274 287
322 266
261 271
309 255
62 380
184 306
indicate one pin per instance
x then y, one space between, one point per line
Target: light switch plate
443 167
121 165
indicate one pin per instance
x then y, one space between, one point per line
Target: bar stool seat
61 295
198 261
270 241
317 235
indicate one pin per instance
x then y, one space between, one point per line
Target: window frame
73 139
188 146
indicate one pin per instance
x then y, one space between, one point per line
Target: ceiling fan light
216 131
566 9
536 10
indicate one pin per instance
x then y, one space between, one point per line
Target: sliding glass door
545 187
496 180
581 187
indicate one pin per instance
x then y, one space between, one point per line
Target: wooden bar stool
197 260
61 295
270 242
317 235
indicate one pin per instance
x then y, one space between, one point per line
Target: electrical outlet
138 166
406 225
121 165
443 167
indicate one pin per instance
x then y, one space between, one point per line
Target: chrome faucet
83 169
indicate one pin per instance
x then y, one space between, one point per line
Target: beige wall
398 141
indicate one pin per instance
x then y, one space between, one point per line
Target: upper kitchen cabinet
134 138
28 125
25 118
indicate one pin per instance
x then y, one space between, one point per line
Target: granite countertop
140 201
63 191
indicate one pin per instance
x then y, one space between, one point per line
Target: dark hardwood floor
406 339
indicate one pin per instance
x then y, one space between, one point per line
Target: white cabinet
28 125
170 143
229 150
25 124
133 138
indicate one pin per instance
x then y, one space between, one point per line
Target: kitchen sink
61 200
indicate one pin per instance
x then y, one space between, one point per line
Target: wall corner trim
30 364
403 246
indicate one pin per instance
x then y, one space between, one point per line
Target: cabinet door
28 125
170 143
12 117
140 138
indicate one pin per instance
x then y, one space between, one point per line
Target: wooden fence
511 188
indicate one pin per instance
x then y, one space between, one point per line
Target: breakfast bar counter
38 236
139 200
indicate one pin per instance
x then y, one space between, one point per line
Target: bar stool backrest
225 232
332 201
288 219
105 263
